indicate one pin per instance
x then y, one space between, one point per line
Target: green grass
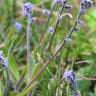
78 55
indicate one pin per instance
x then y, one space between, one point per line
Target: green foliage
81 49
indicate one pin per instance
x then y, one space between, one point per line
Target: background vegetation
78 55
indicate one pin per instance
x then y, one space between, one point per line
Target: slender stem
19 81
54 55
7 83
42 35
28 49
87 78
56 25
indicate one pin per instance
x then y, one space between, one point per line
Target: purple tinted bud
51 29
1 56
68 6
27 9
59 1
77 94
70 77
59 17
80 23
5 62
18 26
46 12
33 20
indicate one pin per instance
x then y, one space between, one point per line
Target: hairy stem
28 50
56 25
42 35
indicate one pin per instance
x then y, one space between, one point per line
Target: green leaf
13 66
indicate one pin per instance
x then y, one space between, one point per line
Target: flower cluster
70 77
27 9
85 4
3 61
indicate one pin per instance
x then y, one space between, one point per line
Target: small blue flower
51 29
59 17
5 62
18 26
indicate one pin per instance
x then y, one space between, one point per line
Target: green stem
42 35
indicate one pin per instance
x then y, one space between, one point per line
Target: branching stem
54 55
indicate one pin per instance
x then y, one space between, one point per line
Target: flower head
33 19
27 9
85 4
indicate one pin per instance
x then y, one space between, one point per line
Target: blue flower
18 26
51 29
5 62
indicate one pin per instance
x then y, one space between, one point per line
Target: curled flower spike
18 26
70 77
27 9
